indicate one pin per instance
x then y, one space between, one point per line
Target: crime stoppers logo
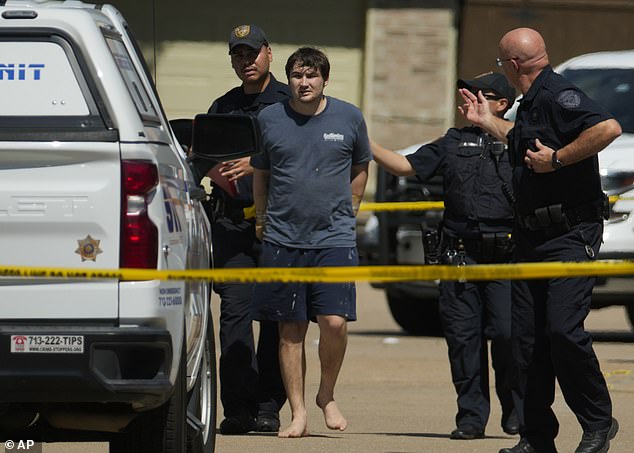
22 445
19 343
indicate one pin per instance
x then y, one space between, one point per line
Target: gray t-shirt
309 159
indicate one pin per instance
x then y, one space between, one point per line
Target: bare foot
297 428
333 416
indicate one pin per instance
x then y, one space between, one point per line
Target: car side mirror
221 137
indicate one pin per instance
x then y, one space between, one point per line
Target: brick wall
410 70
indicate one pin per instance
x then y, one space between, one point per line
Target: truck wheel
415 316
160 430
630 313
201 409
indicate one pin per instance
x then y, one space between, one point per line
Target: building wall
410 70
396 59
187 43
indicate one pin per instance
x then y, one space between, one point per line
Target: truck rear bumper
115 365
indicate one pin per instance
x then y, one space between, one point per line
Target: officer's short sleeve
428 159
574 112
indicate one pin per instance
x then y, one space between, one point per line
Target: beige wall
208 74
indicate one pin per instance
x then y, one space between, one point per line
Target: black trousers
550 342
471 313
249 382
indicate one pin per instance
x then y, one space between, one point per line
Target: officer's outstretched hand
475 108
540 160
236 169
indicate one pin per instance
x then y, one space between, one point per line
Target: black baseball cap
490 81
249 35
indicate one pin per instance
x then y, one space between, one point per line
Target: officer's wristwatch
556 163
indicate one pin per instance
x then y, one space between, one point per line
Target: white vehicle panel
44 219
46 299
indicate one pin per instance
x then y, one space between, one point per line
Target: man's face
251 65
306 84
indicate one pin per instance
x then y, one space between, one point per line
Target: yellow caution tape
608 374
402 206
429 205
340 274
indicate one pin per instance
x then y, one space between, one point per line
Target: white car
608 78
91 176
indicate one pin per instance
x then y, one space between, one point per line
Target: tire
417 316
630 313
161 430
202 405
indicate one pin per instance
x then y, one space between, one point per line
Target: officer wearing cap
476 228
251 387
559 217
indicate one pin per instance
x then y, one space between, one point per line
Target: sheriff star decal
88 248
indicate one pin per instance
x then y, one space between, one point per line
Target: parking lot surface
397 394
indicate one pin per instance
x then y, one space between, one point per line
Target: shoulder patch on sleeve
569 99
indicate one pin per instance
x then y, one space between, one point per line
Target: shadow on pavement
612 337
597 336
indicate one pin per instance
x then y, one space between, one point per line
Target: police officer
252 392
476 228
554 144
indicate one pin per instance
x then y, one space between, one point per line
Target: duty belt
489 247
218 208
555 219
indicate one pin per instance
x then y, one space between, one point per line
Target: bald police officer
560 208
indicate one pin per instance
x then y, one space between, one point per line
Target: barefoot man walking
308 184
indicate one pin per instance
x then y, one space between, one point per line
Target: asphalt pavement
397 394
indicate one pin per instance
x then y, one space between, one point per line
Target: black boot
522 447
598 441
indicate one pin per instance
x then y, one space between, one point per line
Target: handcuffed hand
260 224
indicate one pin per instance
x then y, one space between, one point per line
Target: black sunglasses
489 96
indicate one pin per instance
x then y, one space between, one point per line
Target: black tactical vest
475 172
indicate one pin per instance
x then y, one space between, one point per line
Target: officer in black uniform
251 388
560 208
476 228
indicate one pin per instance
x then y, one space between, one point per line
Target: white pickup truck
91 176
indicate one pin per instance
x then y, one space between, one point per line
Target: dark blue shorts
304 301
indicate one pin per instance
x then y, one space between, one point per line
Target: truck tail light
139 235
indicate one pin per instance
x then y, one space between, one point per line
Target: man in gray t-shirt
308 185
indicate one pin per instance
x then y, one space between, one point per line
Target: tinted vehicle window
36 79
132 80
44 93
613 88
